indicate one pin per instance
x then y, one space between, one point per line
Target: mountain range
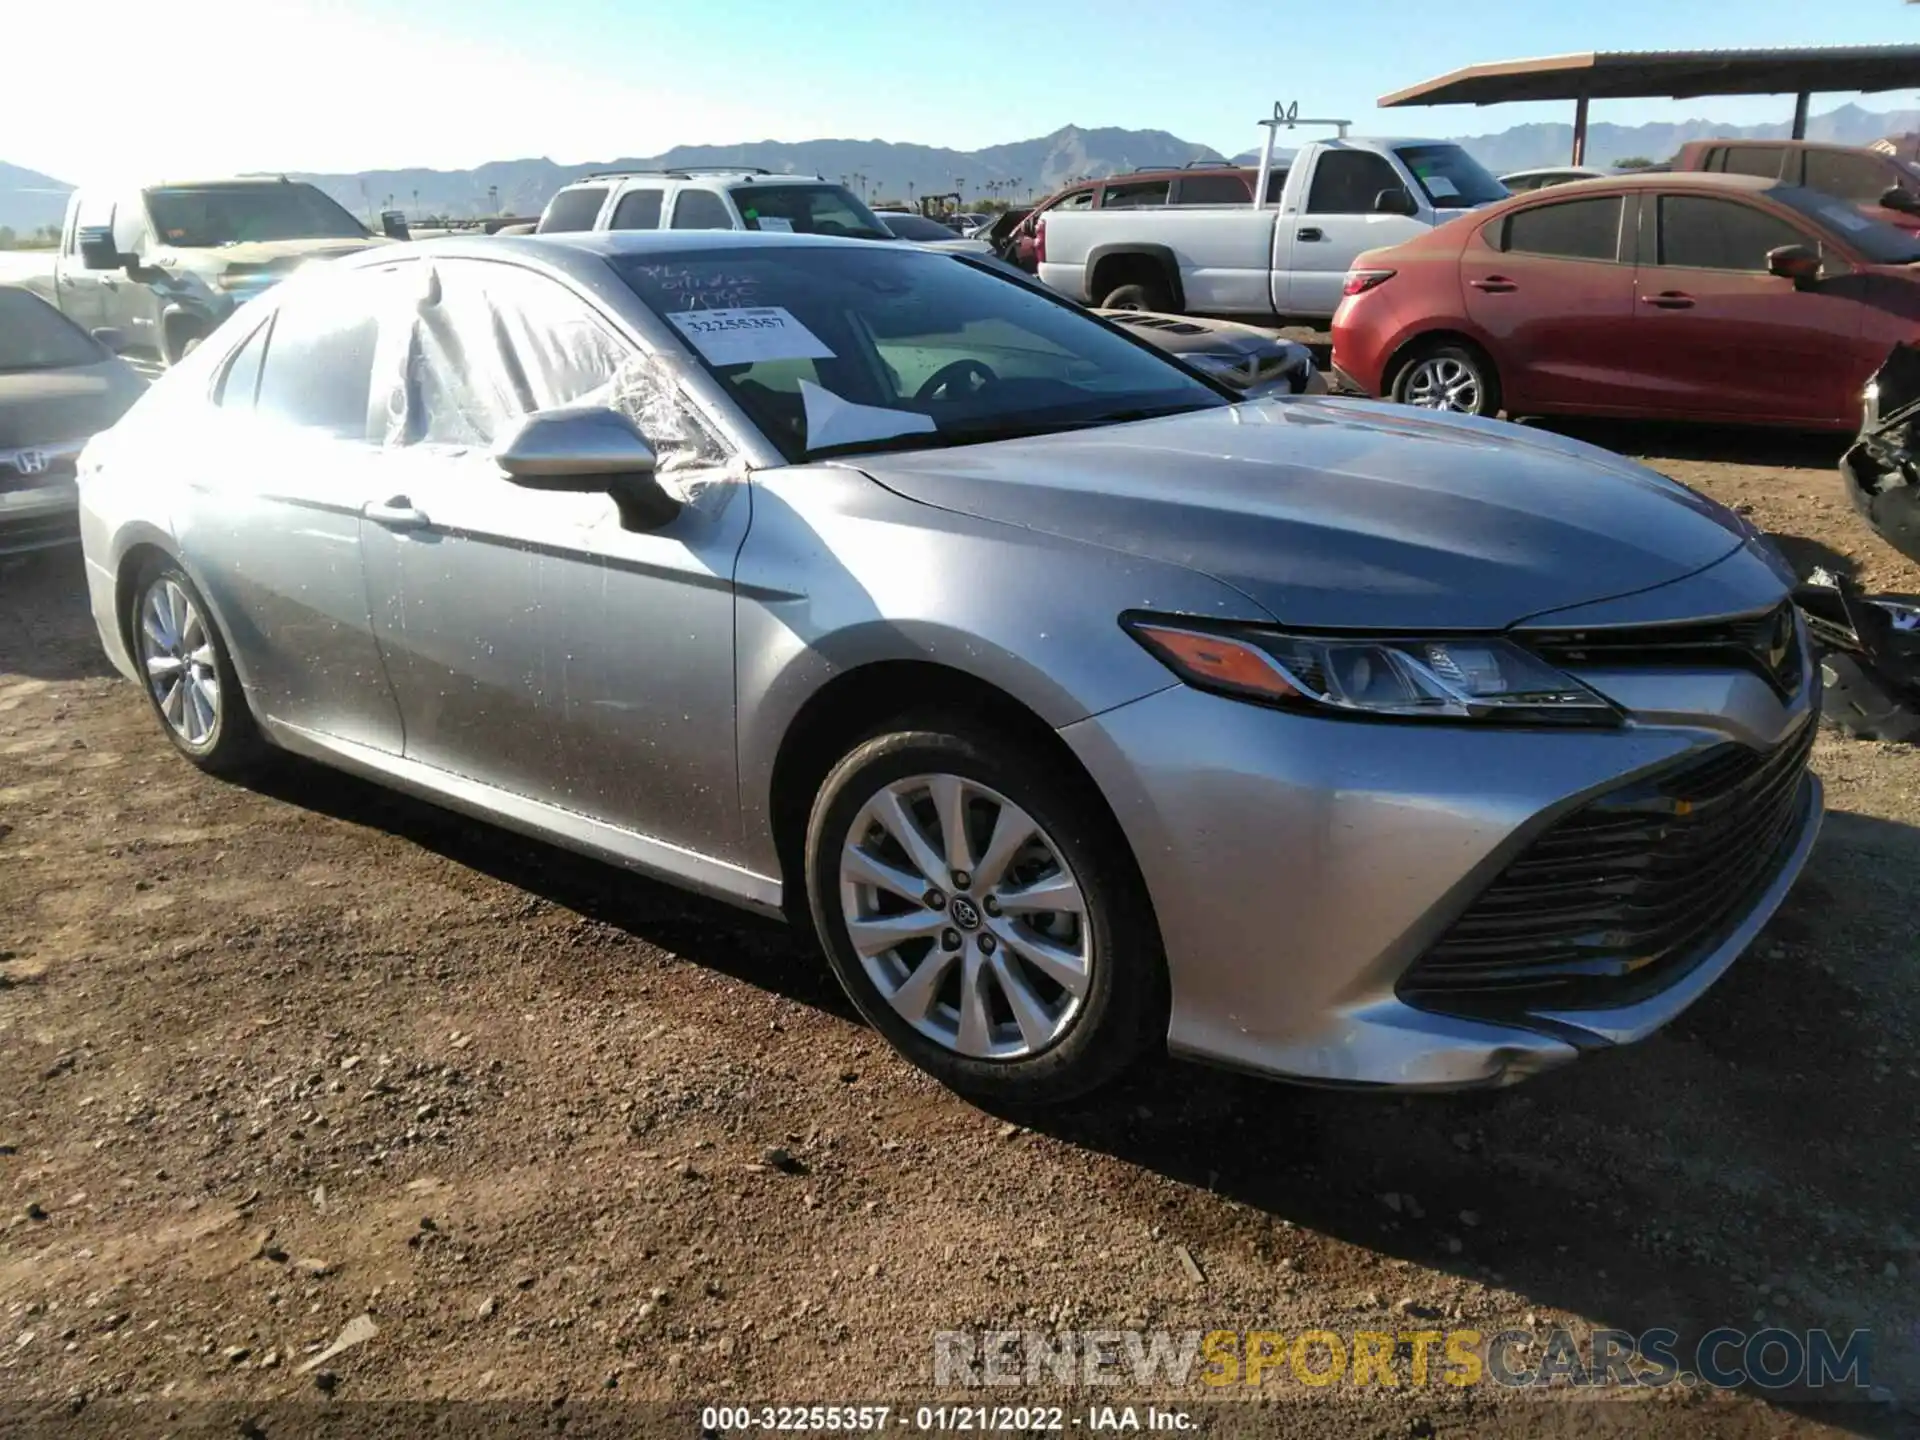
884 169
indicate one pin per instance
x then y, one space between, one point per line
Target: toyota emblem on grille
30 462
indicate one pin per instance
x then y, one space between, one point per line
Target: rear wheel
189 675
984 915
1450 377
1141 295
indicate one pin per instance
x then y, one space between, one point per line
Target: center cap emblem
964 915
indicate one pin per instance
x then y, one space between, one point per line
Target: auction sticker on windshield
743 337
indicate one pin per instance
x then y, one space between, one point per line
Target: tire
1149 296
1030 1037
1448 377
203 711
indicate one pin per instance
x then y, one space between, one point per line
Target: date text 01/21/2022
718 1420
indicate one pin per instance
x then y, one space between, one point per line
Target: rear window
573 210
1761 160
806 210
35 336
637 210
1568 230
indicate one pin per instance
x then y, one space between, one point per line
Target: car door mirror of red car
1798 263
1897 197
588 449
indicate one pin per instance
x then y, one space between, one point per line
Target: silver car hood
1336 513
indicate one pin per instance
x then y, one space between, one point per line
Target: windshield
807 210
1452 178
35 336
916 227
841 349
1878 242
236 214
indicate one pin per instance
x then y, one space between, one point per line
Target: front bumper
1300 867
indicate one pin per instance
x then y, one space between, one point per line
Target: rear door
1552 287
1336 222
1722 338
276 484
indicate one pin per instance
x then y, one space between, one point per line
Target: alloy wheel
176 649
966 917
1443 383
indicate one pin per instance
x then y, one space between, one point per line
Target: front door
1335 223
77 290
1722 338
1550 289
275 487
536 645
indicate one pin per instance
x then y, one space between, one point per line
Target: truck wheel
1148 296
1448 376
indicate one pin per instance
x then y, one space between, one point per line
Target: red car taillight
1040 242
1361 281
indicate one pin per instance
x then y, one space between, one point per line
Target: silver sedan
1080 705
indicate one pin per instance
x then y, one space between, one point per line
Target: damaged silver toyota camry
1081 706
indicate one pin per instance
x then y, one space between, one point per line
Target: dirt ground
276 1058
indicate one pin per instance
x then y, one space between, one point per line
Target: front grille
1627 885
59 469
1768 645
20 535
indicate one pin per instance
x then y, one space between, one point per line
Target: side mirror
393 224
97 251
1395 200
587 450
1898 197
1798 263
114 338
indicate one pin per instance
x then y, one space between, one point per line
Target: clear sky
99 90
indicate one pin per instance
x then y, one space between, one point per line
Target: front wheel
984 915
1456 379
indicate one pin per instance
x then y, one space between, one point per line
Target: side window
637 210
1134 195
700 210
242 378
95 209
1078 200
1213 190
1761 160
494 343
318 372
1706 233
1345 182
130 233
1859 178
1571 230
573 210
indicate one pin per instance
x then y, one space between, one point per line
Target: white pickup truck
1284 260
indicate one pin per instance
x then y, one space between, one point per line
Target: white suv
699 199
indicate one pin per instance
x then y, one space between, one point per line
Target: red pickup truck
1885 187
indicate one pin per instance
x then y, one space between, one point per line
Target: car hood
1338 513
44 407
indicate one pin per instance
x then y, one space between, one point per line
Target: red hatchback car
1668 296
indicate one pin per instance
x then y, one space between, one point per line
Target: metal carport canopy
1671 74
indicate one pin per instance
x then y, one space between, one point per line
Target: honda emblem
30 462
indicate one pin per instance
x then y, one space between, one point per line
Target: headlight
1407 678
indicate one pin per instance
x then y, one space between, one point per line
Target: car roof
1665 178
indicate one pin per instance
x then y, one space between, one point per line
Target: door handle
109 282
398 513
1312 232
1494 285
1668 300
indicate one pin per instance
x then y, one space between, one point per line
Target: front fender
838 573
